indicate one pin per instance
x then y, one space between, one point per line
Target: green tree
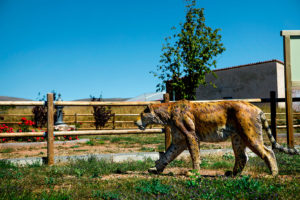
189 55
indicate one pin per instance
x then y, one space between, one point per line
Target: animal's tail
275 145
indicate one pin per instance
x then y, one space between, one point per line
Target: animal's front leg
194 150
187 127
172 152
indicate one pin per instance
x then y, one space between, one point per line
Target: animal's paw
228 173
153 170
189 173
193 172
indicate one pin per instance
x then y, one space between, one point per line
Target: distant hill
5 98
105 99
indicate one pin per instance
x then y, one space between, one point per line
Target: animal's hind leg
239 149
251 133
266 154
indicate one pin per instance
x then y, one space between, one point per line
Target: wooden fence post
288 92
273 114
114 120
167 128
50 129
75 121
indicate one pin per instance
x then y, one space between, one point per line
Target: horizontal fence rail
22 103
104 103
125 103
93 132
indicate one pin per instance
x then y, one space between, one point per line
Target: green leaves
188 55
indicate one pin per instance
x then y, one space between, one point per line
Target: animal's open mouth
142 127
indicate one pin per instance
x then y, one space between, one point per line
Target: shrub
101 113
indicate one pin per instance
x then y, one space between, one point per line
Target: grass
93 179
6 150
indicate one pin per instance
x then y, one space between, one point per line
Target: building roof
156 96
248 65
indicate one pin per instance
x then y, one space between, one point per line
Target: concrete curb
120 157
114 157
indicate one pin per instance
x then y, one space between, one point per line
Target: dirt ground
67 149
181 173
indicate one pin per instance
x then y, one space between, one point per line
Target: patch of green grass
7 150
180 163
287 164
238 188
101 142
141 140
105 194
161 147
221 165
75 146
147 149
80 150
153 186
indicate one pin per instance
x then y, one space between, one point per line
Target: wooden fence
50 134
114 121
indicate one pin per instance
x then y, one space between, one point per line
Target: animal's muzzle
139 124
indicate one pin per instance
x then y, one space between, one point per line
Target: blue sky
83 48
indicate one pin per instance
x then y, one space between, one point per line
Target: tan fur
193 122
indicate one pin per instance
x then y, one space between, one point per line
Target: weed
222 165
90 142
105 195
194 180
78 172
49 180
75 146
115 139
204 163
101 142
228 156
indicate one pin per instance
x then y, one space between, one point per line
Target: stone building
254 80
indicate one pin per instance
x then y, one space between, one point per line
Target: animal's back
216 121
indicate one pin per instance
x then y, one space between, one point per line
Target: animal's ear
147 109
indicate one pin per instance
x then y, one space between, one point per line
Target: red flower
70 138
23 119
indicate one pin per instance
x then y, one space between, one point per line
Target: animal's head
147 117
